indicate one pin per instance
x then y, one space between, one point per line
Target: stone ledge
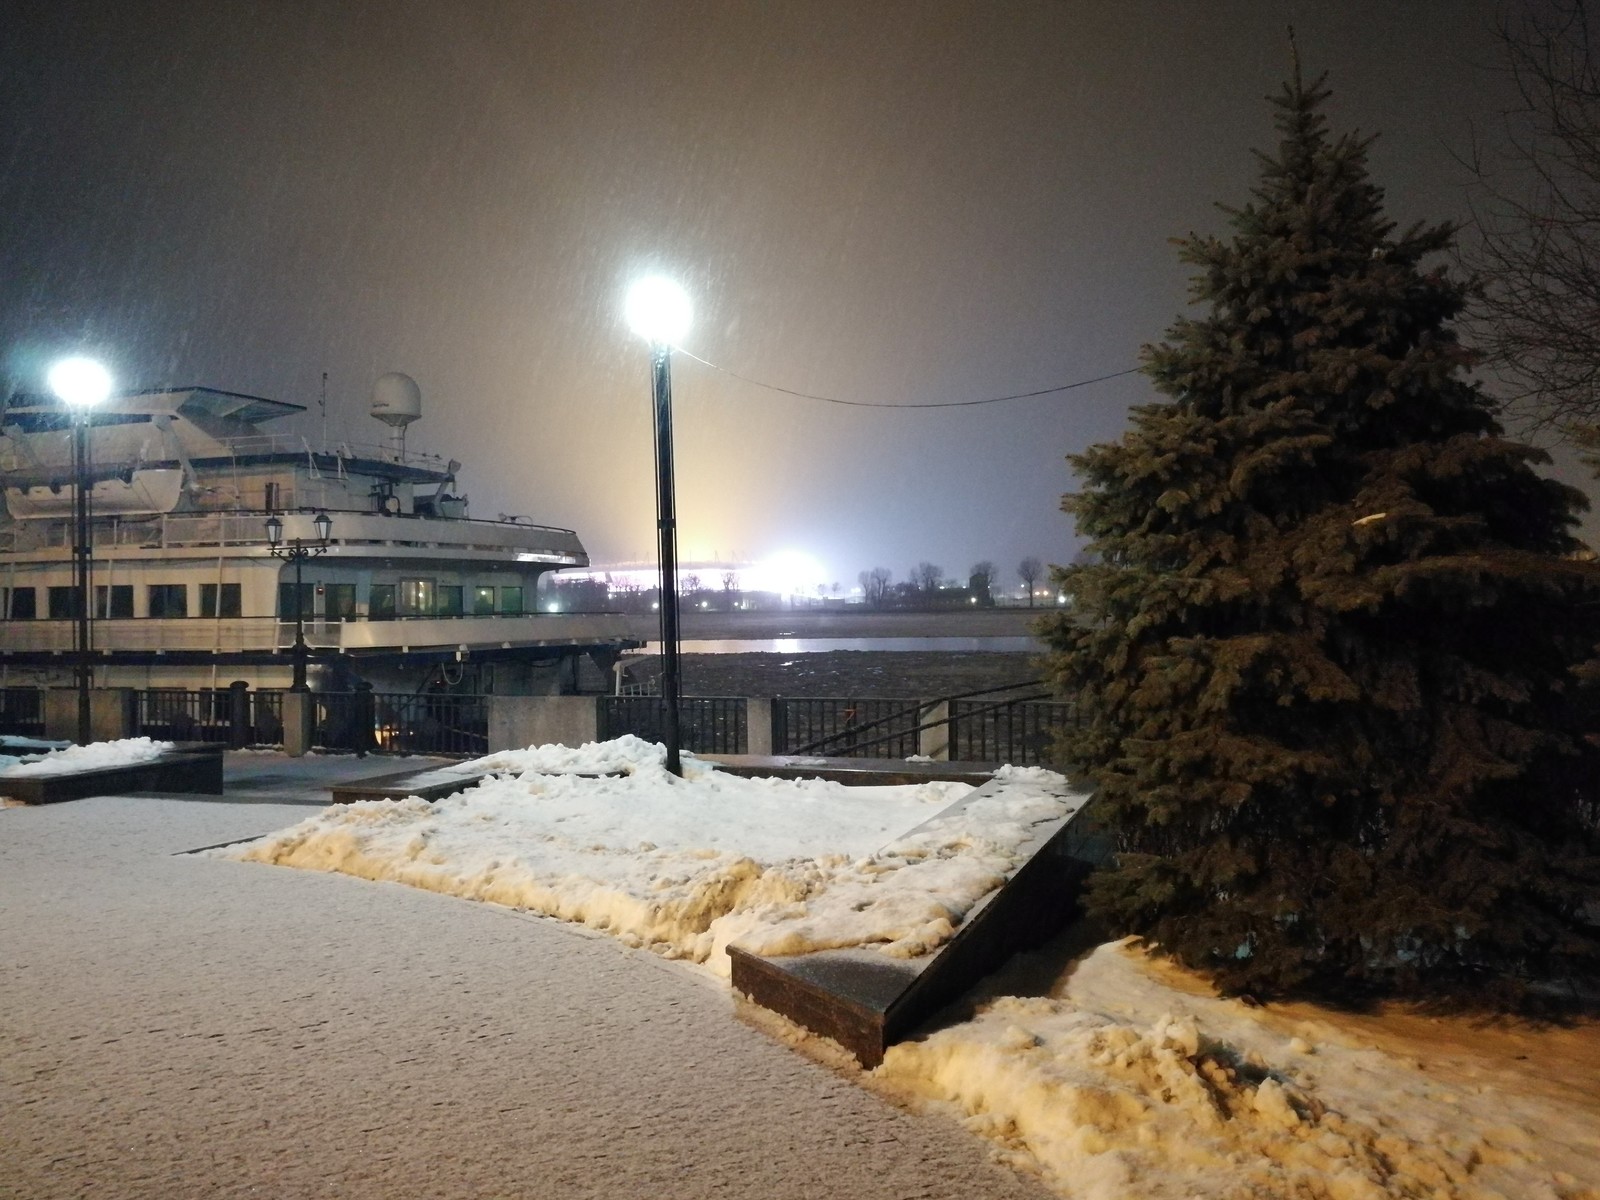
188 768
866 1001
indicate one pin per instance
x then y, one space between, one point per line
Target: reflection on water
1012 645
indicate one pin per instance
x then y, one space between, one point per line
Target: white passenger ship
410 594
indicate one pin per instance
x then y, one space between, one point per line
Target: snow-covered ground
1116 1077
1129 1078
90 757
686 865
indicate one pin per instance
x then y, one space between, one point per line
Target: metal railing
245 531
235 718
242 634
706 724
174 715
22 711
402 722
1022 732
874 728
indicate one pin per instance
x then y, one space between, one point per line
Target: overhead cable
772 387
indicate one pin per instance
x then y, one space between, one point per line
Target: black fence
22 711
234 717
800 724
1020 732
706 724
402 722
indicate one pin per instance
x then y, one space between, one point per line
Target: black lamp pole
667 538
80 566
297 550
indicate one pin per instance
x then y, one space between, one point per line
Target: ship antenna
324 412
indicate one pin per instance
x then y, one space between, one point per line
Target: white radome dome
396 399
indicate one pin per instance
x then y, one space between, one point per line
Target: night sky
894 202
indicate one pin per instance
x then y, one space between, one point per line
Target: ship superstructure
411 591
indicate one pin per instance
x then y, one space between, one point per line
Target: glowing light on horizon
788 573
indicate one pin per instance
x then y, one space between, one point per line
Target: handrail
917 708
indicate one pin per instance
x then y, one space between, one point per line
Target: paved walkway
177 1026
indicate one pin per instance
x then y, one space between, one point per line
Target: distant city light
80 382
658 310
788 573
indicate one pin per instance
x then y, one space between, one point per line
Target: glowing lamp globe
658 310
80 382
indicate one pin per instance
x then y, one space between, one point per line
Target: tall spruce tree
1324 649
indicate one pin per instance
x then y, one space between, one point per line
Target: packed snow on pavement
1119 1077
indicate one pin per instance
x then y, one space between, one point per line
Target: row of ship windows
162 599
408 598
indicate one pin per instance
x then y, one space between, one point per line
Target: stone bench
188 768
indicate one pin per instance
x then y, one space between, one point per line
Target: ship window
286 605
380 602
270 497
449 600
339 600
120 598
416 597
169 599
225 603
24 604
511 601
482 601
61 603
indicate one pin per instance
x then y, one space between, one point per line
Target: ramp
431 783
867 1001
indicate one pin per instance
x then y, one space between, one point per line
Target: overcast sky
875 200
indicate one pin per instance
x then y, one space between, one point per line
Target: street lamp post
297 550
659 311
81 383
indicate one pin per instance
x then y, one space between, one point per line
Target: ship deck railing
246 528
224 635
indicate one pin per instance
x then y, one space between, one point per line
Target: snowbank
687 865
90 757
1130 1080
1126 1079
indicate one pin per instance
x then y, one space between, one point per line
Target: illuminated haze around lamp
658 310
80 382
